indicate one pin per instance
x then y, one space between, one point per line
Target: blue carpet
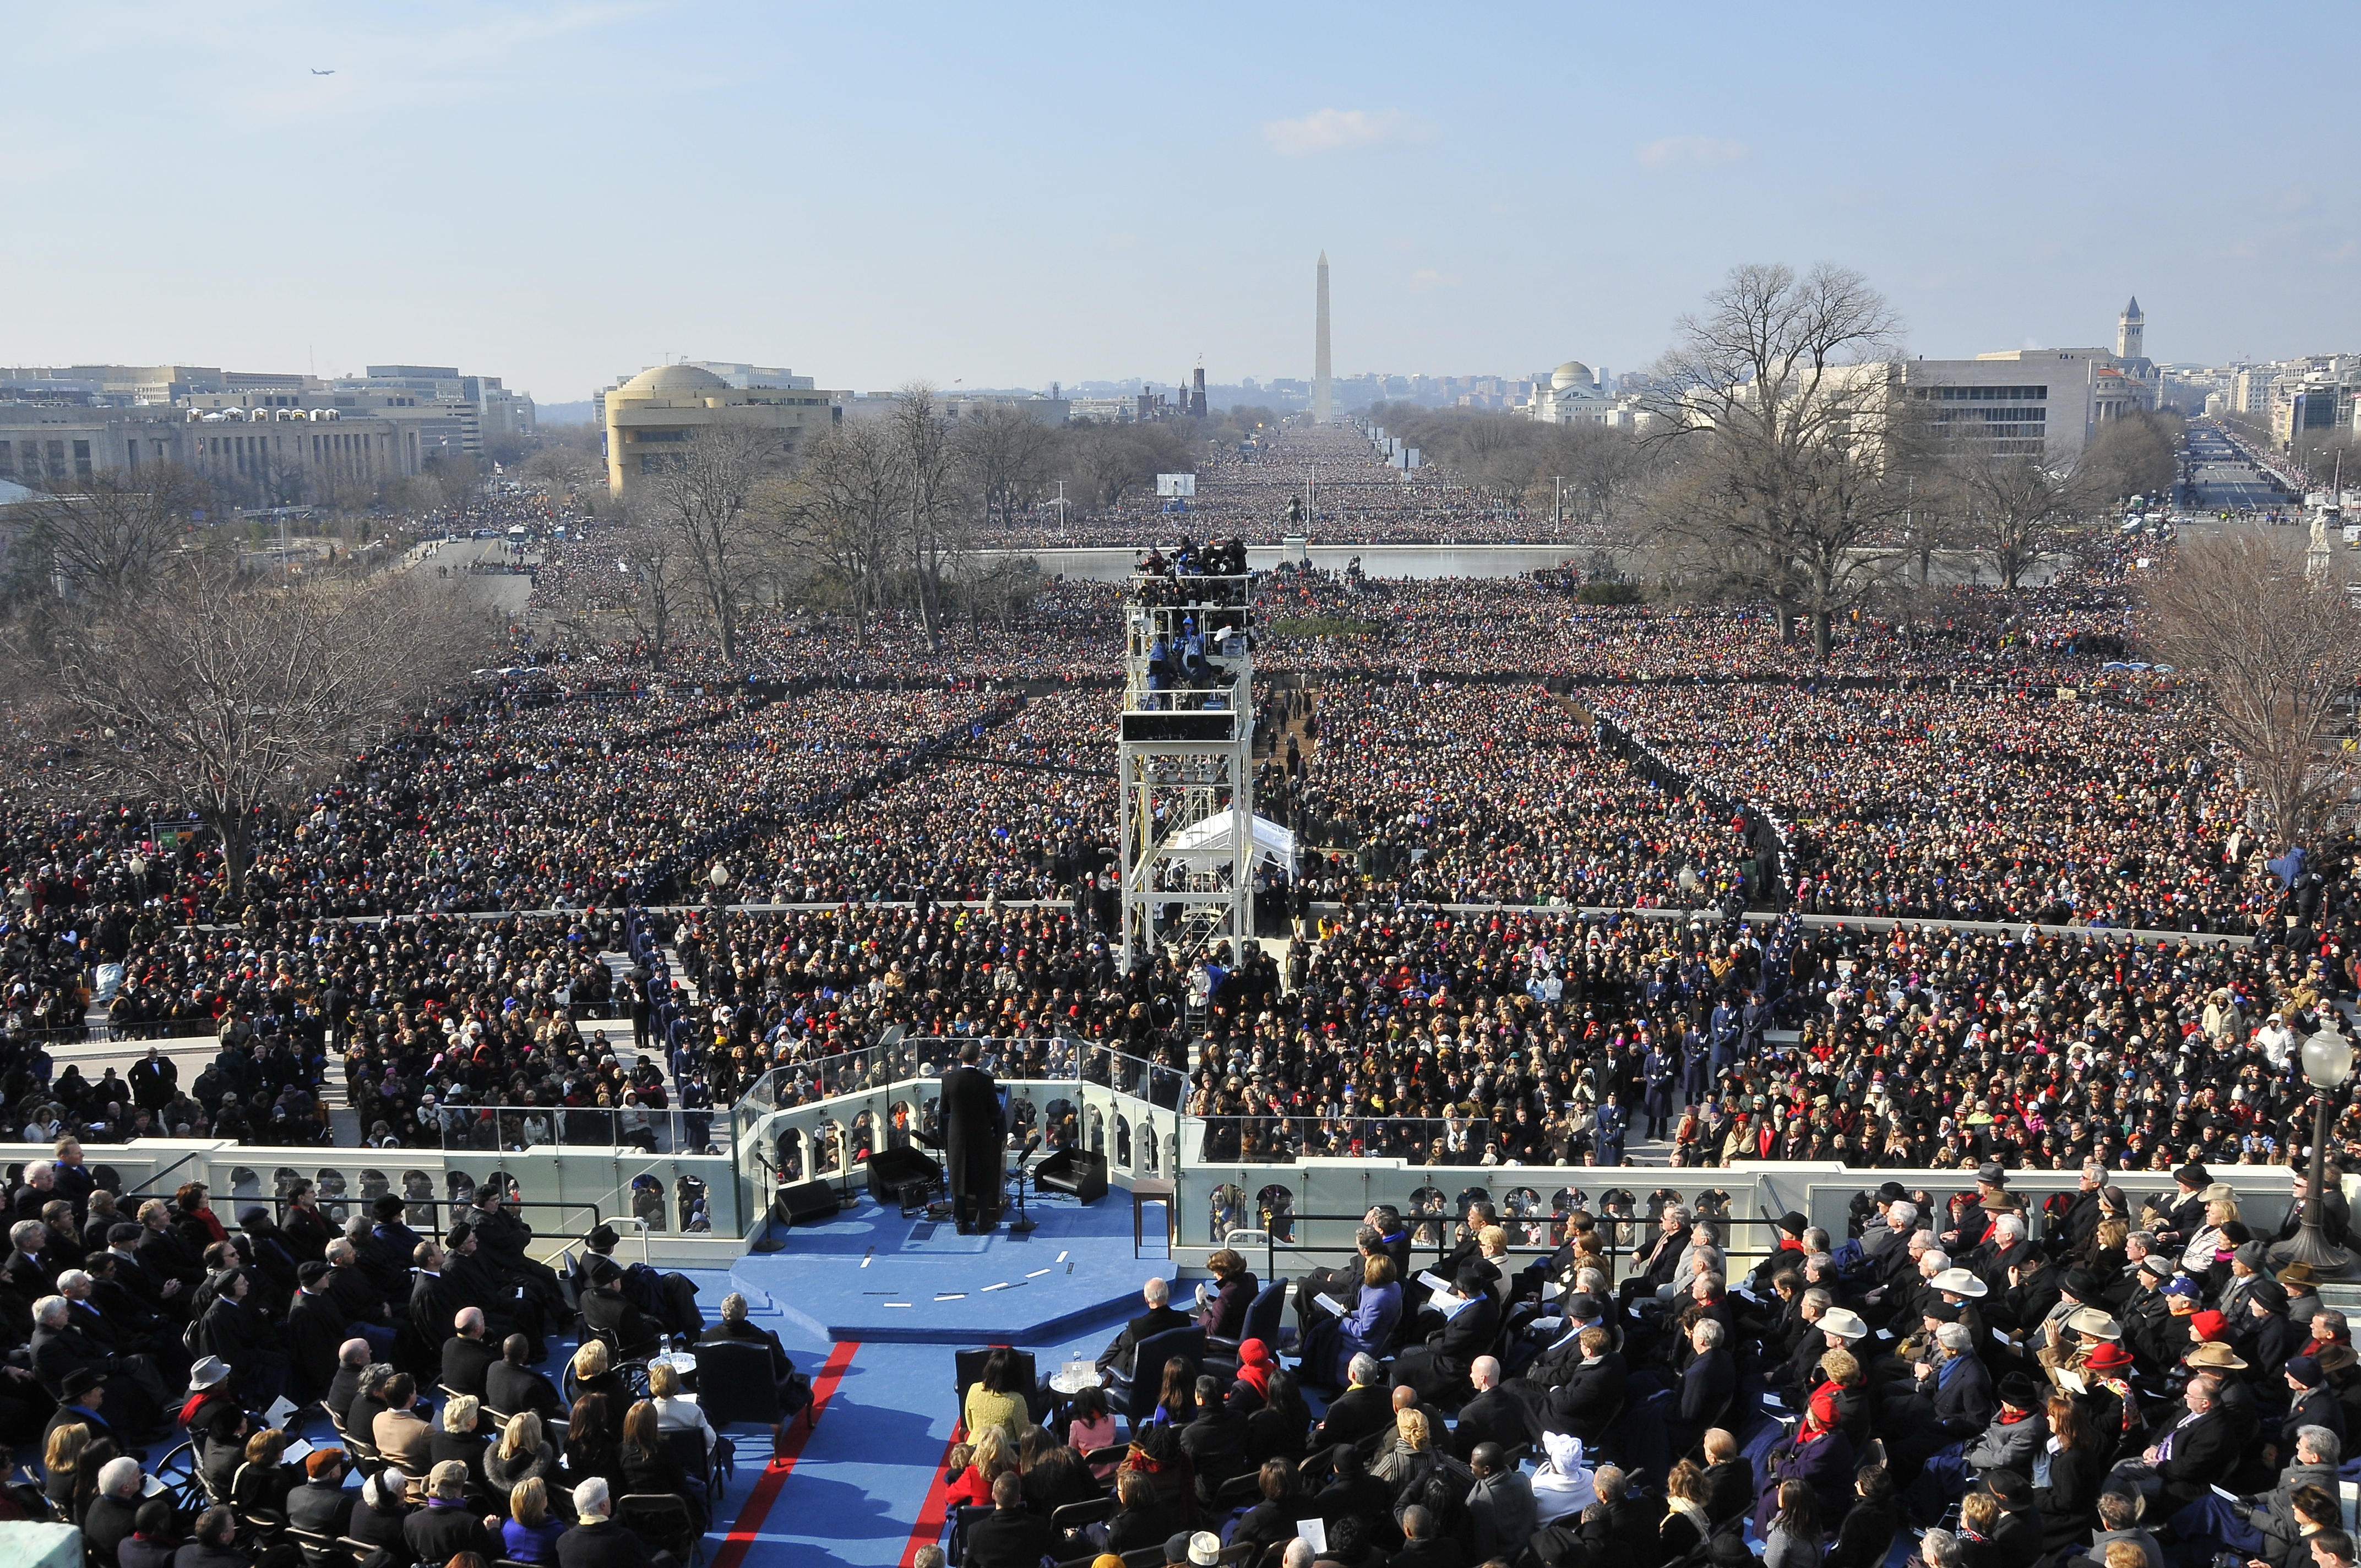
862 1277
935 1236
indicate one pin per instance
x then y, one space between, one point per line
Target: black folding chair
687 1449
663 1522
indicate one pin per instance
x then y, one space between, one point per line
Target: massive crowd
1965 754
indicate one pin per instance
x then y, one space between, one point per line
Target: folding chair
663 1521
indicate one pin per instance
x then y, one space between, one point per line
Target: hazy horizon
561 194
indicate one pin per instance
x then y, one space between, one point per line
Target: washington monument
1321 404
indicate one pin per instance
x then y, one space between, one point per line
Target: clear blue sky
1004 194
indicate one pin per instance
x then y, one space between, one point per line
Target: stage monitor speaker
1073 1171
807 1202
891 1170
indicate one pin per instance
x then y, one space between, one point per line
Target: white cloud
1427 278
1341 130
1673 152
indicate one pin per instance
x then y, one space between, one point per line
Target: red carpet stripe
775 1476
934 1511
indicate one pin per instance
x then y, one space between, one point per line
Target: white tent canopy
1208 842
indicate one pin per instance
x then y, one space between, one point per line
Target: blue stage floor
874 1276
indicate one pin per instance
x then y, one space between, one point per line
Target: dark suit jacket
108 1521
1003 1539
440 1531
513 1389
1355 1413
2202 1453
602 1546
322 1506
1490 1417
634 1330
1118 1351
316 1329
465 1362
1468 1334
434 1302
1581 1405
1440 1553
971 1133
1707 1386
57 1352
743 1332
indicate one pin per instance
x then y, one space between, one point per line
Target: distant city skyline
556 192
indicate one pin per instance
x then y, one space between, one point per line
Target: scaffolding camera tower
1185 767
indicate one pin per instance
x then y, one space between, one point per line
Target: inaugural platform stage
868 1275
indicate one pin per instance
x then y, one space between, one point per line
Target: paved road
505 592
2222 476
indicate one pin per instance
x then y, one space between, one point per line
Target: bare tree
2136 455
930 537
1001 452
233 695
1785 388
842 510
107 537
2280 662
651 564
2012 508
705 500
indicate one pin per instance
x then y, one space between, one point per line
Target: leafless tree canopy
1779 399
706 503
2280 658
225 694
106 538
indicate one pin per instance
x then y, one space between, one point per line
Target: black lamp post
2327 1063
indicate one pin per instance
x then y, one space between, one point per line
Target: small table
1149 1190
1073 1378
680 1361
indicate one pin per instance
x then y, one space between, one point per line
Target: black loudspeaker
890 1171
1073 1171
807 1202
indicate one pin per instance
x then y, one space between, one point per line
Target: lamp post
2327 1063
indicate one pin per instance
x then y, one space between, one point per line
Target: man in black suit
447 1525
1362 1408
352 1362
1215 1441
468 1356
1706 1387
511 1384
1438 1369
1494 1415
114 1512
598 1542
1010 1536
2196 1452
316 1333
1587 1401
61 1352
479 1282
435 1299
364 1304
971 1139
733 1329
213 1543
1423 1545
1159 1316
604 1306
153 1080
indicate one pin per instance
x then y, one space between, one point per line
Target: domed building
651 419
1574 394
